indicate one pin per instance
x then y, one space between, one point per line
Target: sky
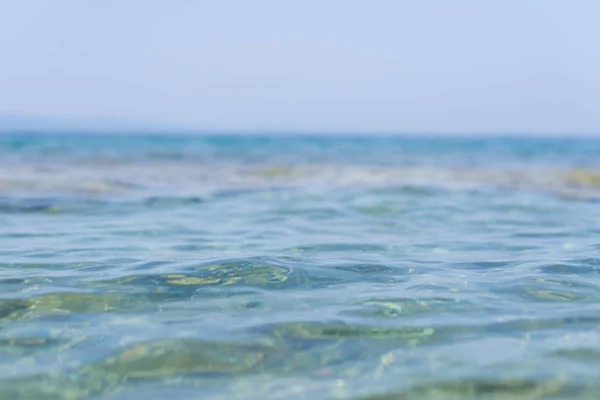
384 66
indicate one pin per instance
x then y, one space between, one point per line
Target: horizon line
292 133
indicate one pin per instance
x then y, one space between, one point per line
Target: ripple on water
407 307
339 247
266 273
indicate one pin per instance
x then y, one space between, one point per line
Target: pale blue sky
327 65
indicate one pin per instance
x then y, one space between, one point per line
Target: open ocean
254 267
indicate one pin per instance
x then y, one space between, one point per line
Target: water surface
299 267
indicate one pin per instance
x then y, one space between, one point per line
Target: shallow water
299 267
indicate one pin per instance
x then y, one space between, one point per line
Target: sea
166 266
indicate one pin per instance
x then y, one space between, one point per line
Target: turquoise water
299 268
